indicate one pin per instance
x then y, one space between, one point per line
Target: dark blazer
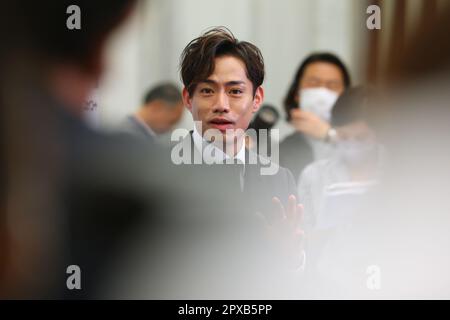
258 189
295 153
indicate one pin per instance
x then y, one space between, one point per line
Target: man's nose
222 104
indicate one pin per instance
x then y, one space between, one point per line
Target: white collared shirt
212 154
215 155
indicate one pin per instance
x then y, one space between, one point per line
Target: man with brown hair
222 79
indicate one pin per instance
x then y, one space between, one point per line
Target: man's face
224 101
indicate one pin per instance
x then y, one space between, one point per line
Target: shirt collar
216 156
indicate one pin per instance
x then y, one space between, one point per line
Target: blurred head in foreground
45 57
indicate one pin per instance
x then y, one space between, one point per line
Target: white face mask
319 101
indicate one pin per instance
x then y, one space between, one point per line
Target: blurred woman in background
318 82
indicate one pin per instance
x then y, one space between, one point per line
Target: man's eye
206 91
235 91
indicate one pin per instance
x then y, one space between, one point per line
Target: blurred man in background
162 108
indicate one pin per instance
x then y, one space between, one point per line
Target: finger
278 209
291 211
300 213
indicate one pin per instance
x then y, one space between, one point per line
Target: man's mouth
221 124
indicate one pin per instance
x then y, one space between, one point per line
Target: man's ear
258 99
187 99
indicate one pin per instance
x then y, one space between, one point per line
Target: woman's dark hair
197 59
289 100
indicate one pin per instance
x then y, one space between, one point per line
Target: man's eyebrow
234 83
209 81
229 83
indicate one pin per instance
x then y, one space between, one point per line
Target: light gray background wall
147 49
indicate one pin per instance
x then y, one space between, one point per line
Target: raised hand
309 124
285 232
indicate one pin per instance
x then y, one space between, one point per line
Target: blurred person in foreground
334 190
50 155
319 81
398 245
353 167
162 108
74 196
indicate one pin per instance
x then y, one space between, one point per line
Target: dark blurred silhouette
47 73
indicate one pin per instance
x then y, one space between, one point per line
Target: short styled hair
197 60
